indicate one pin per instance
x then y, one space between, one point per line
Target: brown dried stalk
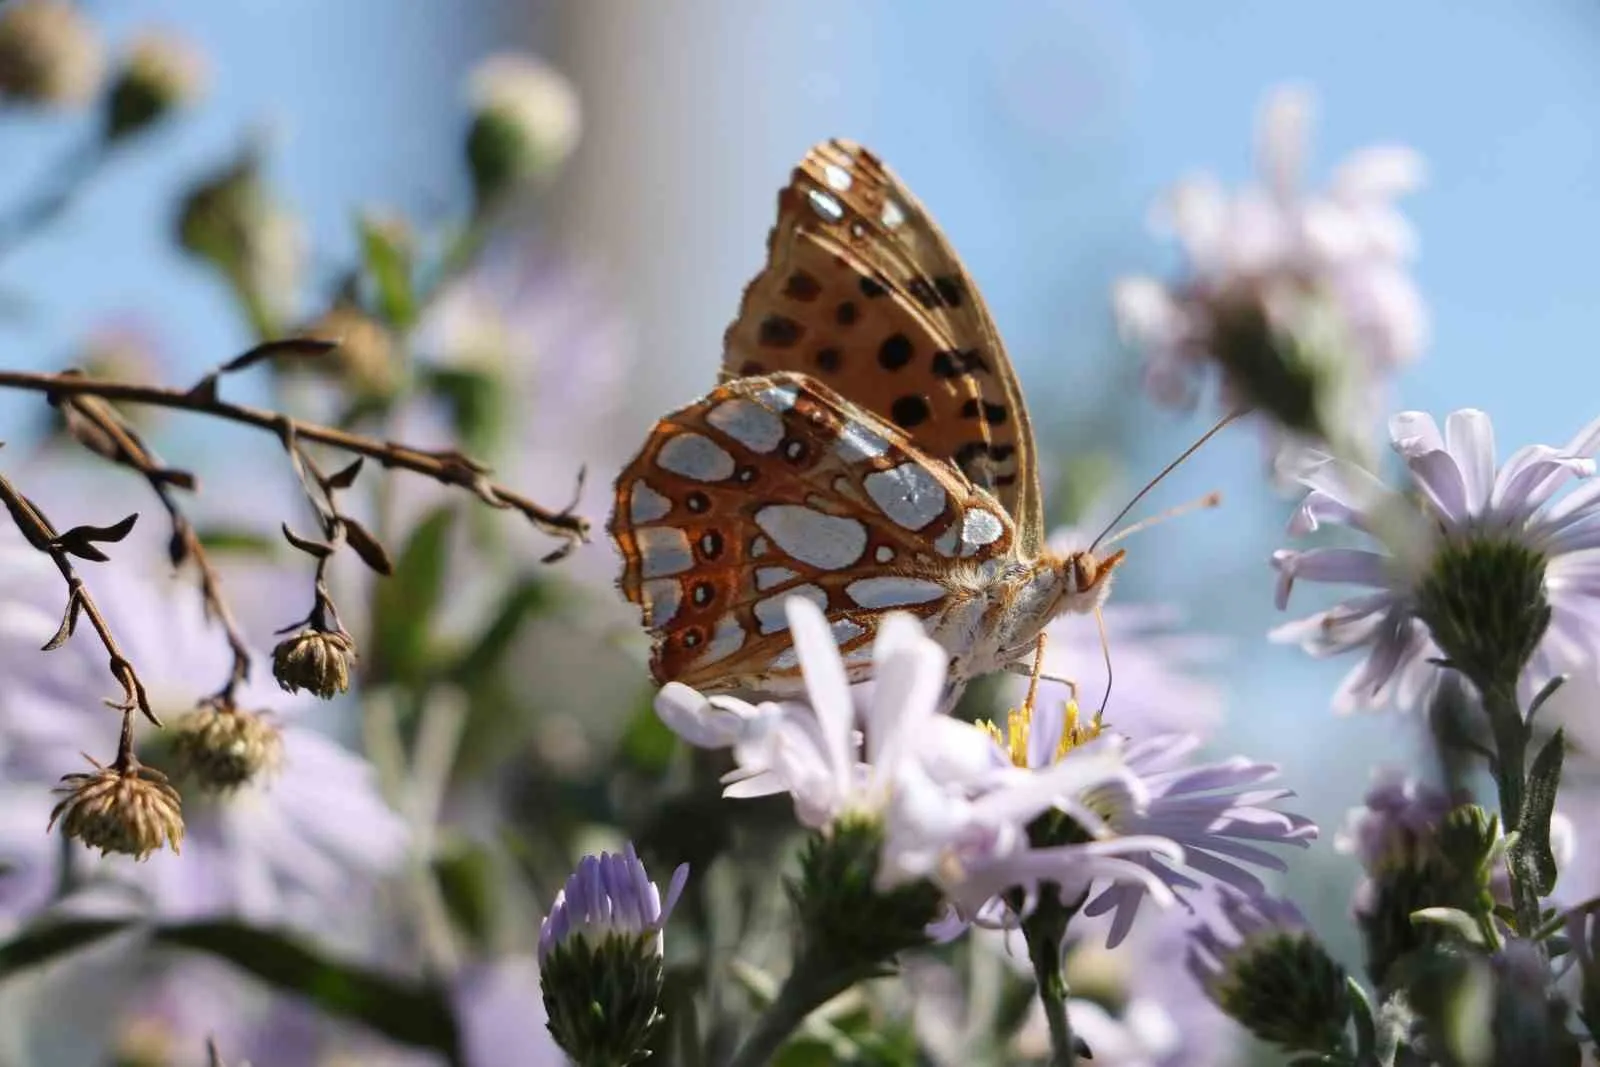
96 425
80 541
448 467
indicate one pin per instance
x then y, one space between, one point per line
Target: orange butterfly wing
862 291
776 486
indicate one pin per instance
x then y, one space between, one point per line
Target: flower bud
1276 979
1485 605
161 72
223 748
317 660
365 360
525 123
841 915
49 54
600 958
133 811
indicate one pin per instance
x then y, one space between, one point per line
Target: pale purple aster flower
815 752
1466 500
951 809
286 849
1328 270
610 895
1211 810
1245 922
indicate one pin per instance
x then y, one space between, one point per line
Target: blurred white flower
526 122
1302 301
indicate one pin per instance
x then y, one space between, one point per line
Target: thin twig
448 467
42 536
105 428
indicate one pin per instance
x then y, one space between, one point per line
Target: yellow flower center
1075 731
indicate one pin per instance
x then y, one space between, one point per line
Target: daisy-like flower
1213 813
1264 967
600 949
1302 302
282 848
917 772
1482 566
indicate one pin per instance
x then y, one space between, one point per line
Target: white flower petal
1469 438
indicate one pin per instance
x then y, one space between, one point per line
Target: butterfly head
1087 579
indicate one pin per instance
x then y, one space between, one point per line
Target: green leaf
413 1013
476 400
404 605
1544 779
247 542
43 942
388 262
529 598
647 743
465 873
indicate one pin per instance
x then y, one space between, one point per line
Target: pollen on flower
1075 732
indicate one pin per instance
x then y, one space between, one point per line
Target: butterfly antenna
1105 650
1168 469
1210 500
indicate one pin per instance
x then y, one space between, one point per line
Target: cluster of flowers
1479 602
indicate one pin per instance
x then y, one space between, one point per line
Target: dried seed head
365 359
318 660
161 72
133 811
225 748
49 54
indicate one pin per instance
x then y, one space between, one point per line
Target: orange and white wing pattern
776 486
862 291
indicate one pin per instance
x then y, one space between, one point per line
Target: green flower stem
1511 736
812 983
1043 930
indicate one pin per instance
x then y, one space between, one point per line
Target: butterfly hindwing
776 486
862 291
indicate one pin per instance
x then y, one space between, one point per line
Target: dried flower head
365 359
162 71
317 660
231 220
129 809
223 748
49 54
525 123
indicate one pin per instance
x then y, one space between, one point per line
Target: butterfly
868 449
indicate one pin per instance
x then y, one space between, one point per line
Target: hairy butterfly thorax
868 450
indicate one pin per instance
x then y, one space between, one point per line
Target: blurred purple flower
1466 501
1307 265
540 331
500 1017
1216 949
292 849
1158 688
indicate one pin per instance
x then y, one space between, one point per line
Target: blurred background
1038 134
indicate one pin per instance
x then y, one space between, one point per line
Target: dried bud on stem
223 748
315 659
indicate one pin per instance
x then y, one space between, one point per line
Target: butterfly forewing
862 291
775 486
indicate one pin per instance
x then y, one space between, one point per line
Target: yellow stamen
1019 725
